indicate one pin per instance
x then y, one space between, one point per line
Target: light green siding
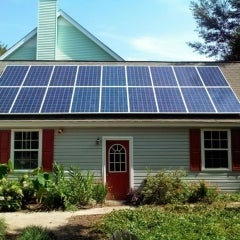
46 37
72 44
25 52
153 149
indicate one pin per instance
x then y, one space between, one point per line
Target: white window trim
228 149
126 165
39 149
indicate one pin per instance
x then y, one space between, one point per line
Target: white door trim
131 171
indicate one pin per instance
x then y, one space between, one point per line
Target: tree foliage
218 24
3 48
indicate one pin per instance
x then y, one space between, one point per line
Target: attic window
26 149
216 149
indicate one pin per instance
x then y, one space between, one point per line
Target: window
26 152
117 158
216 149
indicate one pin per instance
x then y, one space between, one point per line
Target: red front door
117 175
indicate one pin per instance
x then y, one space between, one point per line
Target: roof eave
19 44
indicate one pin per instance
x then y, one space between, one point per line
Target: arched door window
117 158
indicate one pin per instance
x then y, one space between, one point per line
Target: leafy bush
202 192
11 195
3 227
36 233
202 222
4 169
164 187
78 188
100 192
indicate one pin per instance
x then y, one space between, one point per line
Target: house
59 37
117 118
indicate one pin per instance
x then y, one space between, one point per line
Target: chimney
47 29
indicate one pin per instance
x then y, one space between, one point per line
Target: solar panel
197 100
63 76
115 89
57 100
163 76
38 76
212 76
113 76
170 100
187 76
114 99
13 75
224 99
29 100
86 99
142 100
7 96
138 76
89 76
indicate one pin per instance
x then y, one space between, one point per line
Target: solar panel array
115 89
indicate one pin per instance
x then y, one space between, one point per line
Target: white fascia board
19 44
89 35
169 123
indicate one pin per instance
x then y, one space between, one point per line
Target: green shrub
28 190
202 192
100 192
4 169
11 195
78 188
203 222
164 187
3 227
36 233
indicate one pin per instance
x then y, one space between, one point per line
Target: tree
218 24
3 48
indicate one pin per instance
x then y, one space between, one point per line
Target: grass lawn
213 222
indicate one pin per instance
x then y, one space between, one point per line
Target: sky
137 30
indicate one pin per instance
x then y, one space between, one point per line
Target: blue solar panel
142 100
212 76
197 100
187 76
57 100
224 99
89 76
115 89
169 100
38 76
7 96
29 100
86 99
64 76
114 99
114 76
163 76
138 76
13 75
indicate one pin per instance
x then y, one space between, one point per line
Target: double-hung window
26 149
216 151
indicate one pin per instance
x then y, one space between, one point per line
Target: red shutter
5 142
195 149
47 149
235 139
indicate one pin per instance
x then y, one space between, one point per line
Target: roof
61 14
112 91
